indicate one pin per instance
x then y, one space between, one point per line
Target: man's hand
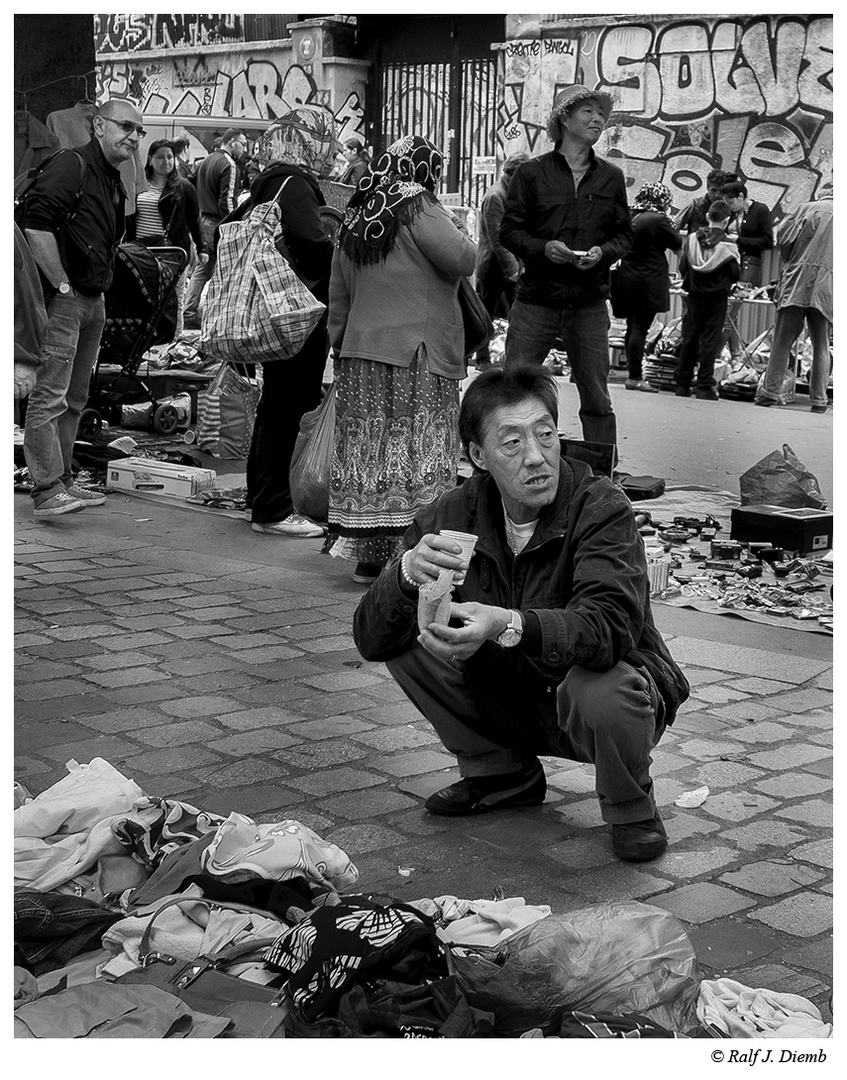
558 252
481 622
590 258
431 555
24 380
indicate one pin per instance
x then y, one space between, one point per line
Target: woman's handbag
257 1012
255 309
479 329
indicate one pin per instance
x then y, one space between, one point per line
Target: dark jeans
497 294
702 325
612 719
584 330
290 388
637 327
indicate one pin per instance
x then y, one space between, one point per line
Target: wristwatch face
64 288
509 638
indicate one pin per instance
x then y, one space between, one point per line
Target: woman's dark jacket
643 283
583 576
180 217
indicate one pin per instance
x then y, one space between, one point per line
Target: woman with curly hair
643 285
396 328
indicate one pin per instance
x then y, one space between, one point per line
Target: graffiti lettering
559 47
523 48
752 95
131 33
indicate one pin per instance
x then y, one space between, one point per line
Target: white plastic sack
255 308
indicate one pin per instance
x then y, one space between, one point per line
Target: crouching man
551 648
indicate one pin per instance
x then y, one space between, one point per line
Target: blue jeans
789 323
202 271
584 330
74 328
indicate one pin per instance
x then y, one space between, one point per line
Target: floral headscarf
653 196
304 137
392 192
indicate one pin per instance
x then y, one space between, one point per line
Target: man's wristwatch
64 288
513 633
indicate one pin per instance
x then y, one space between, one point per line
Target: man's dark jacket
541 205
756 233
218 185
580 583
89 243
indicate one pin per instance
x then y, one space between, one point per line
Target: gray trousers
611 719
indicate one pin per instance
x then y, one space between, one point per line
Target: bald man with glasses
74 222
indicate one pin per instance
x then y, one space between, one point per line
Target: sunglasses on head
127 126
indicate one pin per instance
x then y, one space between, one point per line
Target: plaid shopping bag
255 309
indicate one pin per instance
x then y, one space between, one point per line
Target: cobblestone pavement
216 665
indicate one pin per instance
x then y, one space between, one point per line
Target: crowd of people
549 647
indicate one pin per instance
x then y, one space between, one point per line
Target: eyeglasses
127 127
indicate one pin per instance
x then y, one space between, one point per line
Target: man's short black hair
733 189
230 134
498 386
719 210
715 178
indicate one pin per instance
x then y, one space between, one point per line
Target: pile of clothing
140 916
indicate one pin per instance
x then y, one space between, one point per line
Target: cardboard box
804 530
143 476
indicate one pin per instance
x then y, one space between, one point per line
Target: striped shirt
148 220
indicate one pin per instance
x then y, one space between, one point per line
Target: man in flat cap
567 219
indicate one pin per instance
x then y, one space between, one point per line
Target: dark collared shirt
88 244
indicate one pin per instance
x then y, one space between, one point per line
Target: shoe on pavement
293 525
818 408
640 384
640 841
89 497
708 394
682 391
62 503
478 794
366 573
764 402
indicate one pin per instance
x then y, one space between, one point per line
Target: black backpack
26 180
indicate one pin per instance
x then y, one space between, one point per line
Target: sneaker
682 391
293 525
708 394
63 503
478 794
366 573
640 384
89 497
640 841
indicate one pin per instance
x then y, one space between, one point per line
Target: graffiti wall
132 33
259 86
752 96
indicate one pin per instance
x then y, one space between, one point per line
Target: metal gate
454 106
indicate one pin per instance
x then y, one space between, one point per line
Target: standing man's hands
558 252
590 258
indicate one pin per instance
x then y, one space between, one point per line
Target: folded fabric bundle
492 921
745 1013
52 928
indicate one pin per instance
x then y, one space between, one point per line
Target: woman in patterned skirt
396 328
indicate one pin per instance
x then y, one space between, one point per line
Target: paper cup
468 543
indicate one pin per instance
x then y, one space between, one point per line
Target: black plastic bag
781 479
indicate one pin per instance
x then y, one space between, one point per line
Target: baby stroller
141 307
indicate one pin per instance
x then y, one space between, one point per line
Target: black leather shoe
708 395
682 391
479 794
640 841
